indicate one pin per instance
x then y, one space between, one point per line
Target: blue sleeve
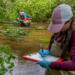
24 15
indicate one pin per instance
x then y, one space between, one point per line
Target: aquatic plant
38 27
5 60
34 34
14 39
2 26
44 40
23 28
15 32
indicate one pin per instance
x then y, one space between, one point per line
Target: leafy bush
5 58
39 10
69 2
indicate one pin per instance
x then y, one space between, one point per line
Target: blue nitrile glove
44 63
19 20
14 22
44 52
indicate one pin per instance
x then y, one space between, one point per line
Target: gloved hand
44 63
44 52
19 20
14 22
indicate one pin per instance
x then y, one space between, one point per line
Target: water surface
24 47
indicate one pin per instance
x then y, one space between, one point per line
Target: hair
18 11
71 22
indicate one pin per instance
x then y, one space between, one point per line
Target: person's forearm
72 52
66 65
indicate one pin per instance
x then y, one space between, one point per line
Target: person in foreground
62 43
23 18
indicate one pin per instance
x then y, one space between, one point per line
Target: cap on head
60 15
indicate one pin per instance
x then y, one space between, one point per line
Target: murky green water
24 47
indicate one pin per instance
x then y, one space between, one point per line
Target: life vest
21 17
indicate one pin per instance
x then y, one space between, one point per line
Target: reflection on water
24 47
27 68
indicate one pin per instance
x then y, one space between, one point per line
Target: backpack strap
67 42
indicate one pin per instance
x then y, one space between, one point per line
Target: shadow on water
24 47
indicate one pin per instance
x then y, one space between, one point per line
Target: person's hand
44 52
14 22
44 63
18 20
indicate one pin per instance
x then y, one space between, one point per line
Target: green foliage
5 58
11 65
1 60
37 9
2 6
15 32
69 2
